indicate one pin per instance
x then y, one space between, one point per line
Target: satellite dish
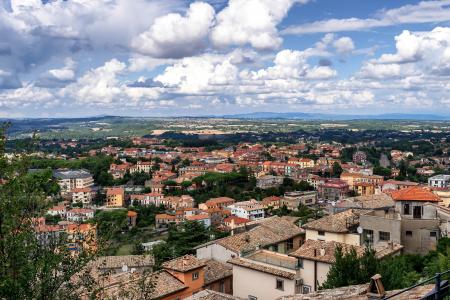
359 229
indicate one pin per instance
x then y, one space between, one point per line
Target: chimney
376 288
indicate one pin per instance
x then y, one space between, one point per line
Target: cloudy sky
69 58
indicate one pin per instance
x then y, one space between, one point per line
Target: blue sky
177 57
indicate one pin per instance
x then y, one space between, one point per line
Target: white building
251 210
80 214
440 181
72 179
82 195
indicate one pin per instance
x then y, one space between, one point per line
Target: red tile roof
414 194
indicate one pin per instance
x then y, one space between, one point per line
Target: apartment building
82 195
251 210
293 199
115 197
440 181
72 179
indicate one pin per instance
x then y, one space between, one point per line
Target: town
250 220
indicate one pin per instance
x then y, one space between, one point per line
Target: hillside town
245 221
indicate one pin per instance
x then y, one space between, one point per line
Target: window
406 209
250 297
279 284
368 236
417 212
275 248
384 236
321 233
433 234
195 276
290 244
222 286
300 263
306 289
408 233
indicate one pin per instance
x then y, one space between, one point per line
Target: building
278 234
333 190
164 220
397 185
359 157
315 259
364 189
220 202
82 195
233 222
72 179
352 179
141 166
80 214
292 200
271 202
303 163
115 197
413 222
441 181
202 218
179 278
340 227
269 181
251 210
265 275
122 263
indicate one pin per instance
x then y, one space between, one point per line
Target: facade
251 210
265 275
364 189
440 181
80 214
333 190
82 195
72 179
293 199
269 181
220 202
115 197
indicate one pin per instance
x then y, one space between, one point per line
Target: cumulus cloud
174 35
58 77
235 27
344 45
422 12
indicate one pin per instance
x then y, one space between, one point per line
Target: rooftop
262 267
414 193
70 174
114 262
184 263
340 222
216 270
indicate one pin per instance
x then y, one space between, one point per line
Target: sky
76 58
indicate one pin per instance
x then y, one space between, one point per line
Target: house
179 278
265 275
71 179
397 185
203 218
292 200
141 166
333 189
163 220
303 163
277 234
220 202
272 201
413 222
81 236
115 197
440 181
233 222
269 181
315 259
80 214
340 227
82 195
250 209
57 210
364 188
354 178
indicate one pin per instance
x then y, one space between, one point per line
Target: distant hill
313 116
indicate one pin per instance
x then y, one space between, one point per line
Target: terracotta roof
183 264
414 194
216 270
115 191
215 201
131 213
237 220
212 295
339 222
265 268
324 251
114 262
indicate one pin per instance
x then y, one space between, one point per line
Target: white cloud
344 45
175 36
251 22
423 12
